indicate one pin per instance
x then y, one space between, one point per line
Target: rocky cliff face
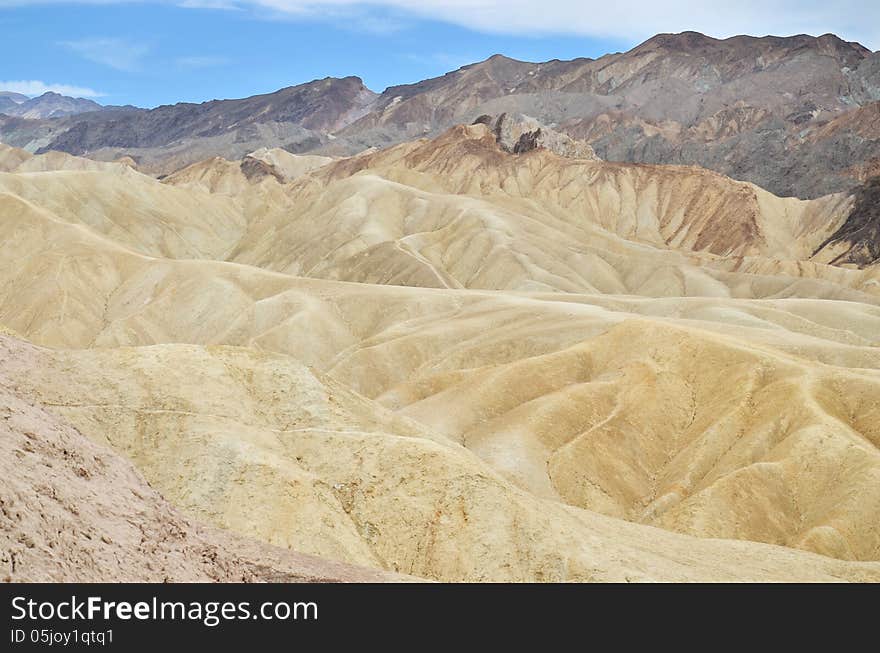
519 134
858 238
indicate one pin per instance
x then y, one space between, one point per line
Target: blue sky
150 53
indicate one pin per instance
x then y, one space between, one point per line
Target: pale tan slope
368 229
465 358
235 432
215 175
128 207
57 161
290 166
63 285
459 212
67 286
264 168
72 510
700 434
679 206
673 419
12 157
409 217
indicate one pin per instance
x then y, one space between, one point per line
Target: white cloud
375 24
34 87
629 20
626 20
369 18
228 5
201 61
117 53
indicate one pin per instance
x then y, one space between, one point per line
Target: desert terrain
485 353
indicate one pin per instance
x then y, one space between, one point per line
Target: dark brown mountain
744 106
320 106
682 77
858 238
168 137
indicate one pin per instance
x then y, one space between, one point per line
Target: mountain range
10 99
795 115
47 105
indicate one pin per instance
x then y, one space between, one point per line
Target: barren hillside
447 359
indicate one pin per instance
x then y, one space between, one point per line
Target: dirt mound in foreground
72 510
